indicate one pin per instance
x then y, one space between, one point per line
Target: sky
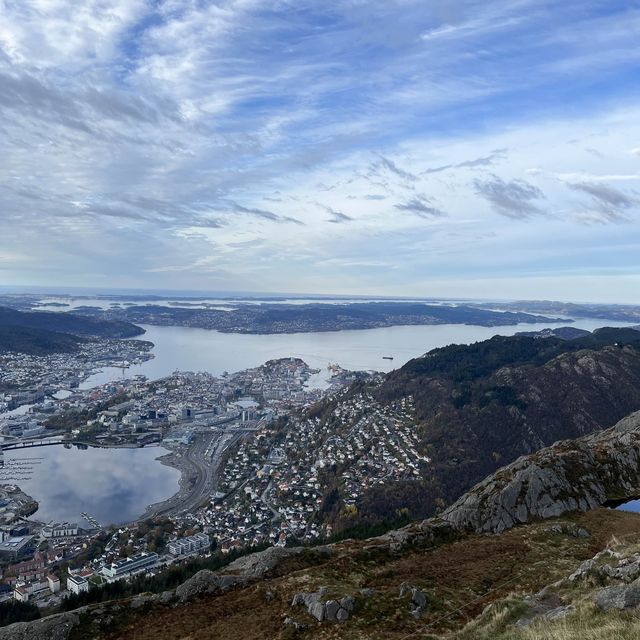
452 148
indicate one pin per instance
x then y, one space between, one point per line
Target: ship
387 357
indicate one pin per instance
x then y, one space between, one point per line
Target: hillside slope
551 575
43 333
481 406
65 322
37 342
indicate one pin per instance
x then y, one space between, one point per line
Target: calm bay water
205 350
112 485
115 485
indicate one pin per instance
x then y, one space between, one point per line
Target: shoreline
188 476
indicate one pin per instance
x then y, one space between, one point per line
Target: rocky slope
568 476
481 406
434 575
599 599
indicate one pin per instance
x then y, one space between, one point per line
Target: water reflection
112 485
205 350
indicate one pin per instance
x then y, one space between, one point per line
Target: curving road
199 466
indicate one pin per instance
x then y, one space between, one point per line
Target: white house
54 583
77 584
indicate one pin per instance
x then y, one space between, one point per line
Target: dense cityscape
245 479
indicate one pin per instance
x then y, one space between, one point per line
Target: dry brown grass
586 623
459 578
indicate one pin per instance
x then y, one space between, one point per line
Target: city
250 463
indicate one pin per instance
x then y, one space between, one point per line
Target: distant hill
266 318
565 333
65 322
42 333
37 342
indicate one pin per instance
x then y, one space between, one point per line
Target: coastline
188 477
23 504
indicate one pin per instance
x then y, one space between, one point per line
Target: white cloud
291 145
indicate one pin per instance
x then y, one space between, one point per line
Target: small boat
387 357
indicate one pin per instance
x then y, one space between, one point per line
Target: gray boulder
348 602
206 582
588 567
56 627
259 564
559 612
142 599
418 598
317 610
618 597
628 570
331 609
342 615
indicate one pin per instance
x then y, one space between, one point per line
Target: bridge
27 444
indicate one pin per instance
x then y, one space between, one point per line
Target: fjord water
112 485
116 485
190 349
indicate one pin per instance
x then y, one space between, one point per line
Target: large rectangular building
16 546
191 544
61 530
127 567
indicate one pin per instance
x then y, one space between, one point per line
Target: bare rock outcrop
56 627
261 563
207 582
572 475
330 610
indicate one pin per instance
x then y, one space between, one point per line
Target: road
199 467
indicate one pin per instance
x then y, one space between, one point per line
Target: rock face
56 627
259 564
206 582
569 476
619 597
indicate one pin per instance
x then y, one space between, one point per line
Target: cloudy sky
476 148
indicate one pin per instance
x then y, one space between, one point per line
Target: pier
91 520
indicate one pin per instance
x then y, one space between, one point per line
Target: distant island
618 312
269 318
